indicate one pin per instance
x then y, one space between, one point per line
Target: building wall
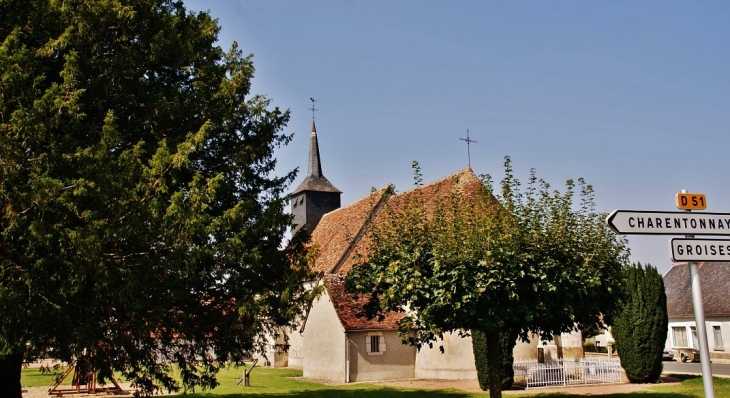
718 349
524 350
456 362
324 343
296 338
276 353
296 349
572 344
397 361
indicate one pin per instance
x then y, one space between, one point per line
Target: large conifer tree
140 219
640 328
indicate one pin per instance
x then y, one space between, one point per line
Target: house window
717 332
375 344
679 334
695 342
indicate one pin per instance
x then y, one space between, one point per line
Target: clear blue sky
632 96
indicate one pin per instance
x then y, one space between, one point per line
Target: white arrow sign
700 249
668 223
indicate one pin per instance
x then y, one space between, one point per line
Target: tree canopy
531 261
140 217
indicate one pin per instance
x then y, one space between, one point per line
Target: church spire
315 196
315 180
315 165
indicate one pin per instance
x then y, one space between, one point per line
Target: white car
667 355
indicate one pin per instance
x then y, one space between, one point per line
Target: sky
632 96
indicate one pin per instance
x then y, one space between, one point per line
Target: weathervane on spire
468 143
313 109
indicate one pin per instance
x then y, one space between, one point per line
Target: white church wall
457 361
324 343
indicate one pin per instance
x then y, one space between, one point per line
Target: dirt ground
42 392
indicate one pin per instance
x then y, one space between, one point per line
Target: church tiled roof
340 231
342 235
349 310
715 283
342 238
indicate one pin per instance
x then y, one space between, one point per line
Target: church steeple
315 180
315 166
315 196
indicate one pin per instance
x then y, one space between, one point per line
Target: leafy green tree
526 261
140 217
641 326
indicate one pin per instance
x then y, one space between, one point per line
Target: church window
375 344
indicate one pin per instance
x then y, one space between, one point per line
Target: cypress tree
507 342
640 328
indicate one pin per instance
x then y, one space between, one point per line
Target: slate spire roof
315 180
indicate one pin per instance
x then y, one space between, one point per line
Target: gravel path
42 392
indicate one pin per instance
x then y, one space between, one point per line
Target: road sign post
694 278
689 224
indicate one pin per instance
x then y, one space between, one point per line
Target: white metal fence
530 373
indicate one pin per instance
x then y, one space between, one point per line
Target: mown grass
288 383
33 377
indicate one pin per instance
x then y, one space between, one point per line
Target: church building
332 342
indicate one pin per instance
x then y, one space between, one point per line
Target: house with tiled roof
334 341
715 284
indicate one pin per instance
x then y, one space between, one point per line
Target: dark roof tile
715 284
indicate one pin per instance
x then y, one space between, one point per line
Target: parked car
668 355
689 354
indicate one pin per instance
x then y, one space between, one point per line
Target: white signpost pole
699 309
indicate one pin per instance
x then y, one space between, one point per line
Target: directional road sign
684 249
637 222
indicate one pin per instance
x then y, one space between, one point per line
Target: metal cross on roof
313 109
468 143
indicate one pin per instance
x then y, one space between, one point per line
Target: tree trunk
495 370
10 367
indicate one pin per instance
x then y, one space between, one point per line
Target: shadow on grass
679 386
682 377
624 395
386 393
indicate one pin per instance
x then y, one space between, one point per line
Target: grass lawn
285 383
